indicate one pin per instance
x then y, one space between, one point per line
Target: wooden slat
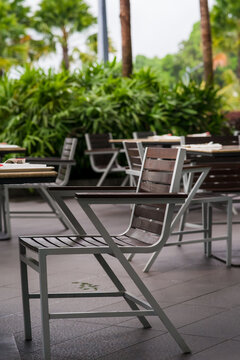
144 224
156 176
31 244
133 152
150 213
164 165
136 160
164 153
152 187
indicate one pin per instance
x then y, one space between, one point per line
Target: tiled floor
201 296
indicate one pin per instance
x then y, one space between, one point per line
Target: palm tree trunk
126 37
206 42
65 60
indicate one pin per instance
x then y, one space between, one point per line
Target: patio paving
201 296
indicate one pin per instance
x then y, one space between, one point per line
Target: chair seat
53 242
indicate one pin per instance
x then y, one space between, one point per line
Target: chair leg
55 208
209 226
151 261
120 287
135 278
181 227
44 306
156 307
229 232
25 296
125 180
205 223
130 257
107 170
151 300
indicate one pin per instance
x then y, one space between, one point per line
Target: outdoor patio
201 296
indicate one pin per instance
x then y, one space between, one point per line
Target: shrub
39 110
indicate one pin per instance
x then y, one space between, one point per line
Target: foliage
58 20
226 27
13 39
231 91
172 67
92 49
38 110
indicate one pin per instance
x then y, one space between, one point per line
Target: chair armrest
70 191
130 198
93 188
102 151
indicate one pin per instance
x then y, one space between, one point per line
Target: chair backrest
134 153
97 142
143 134
224 175
68 153
161 173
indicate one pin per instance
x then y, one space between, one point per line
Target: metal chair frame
112 166
109 246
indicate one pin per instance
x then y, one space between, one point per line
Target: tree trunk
238 58
206 42
126 37
65 60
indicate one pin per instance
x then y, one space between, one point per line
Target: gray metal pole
102 32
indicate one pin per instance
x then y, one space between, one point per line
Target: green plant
39 110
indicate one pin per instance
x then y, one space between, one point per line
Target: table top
151 140
21 176
225 150
6 148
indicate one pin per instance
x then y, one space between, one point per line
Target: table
161 140
225 164
22 176
225 151
8 149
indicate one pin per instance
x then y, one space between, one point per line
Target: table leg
4 214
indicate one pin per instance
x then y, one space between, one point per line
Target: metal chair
143 134
148 231
103 156
193 177
223 179
64 163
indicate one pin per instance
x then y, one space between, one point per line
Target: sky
158 26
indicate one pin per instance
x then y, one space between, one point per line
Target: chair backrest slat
68 153
134 153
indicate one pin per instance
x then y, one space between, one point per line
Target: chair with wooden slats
143 134
223 177
134 153
64 163
103 156
148 231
